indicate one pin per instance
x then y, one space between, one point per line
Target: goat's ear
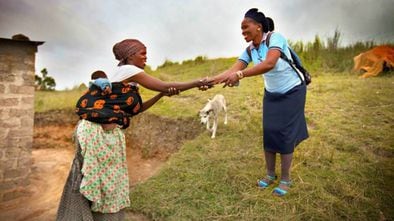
209 100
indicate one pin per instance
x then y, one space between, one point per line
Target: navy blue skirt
284 125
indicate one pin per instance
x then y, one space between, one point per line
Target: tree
45 82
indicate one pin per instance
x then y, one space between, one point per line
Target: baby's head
98 74
99 78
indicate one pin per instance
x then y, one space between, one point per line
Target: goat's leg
214 127
225 113
208 125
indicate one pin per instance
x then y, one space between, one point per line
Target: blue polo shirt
282 77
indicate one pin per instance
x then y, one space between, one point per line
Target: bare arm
145 106
156 84
265 66
149 103
239 65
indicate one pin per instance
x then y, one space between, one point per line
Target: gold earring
258 29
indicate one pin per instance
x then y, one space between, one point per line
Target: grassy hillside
344 171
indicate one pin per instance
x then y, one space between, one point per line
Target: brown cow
374 60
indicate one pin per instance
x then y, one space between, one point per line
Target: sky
79 34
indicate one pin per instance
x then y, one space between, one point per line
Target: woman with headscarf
98 184
284 125
125 101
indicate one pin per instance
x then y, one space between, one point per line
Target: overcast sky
79 34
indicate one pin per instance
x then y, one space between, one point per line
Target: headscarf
124 49
257 16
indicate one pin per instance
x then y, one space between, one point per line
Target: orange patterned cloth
117 107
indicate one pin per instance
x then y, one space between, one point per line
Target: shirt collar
262 40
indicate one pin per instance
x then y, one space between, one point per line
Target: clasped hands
230 79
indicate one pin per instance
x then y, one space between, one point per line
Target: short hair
98 74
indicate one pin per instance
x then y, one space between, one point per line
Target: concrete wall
17 71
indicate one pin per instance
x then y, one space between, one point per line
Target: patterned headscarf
124 49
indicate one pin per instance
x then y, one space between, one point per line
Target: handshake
230 79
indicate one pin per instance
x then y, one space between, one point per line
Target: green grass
344 171
52 100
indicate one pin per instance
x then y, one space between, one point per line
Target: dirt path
49 172
53 151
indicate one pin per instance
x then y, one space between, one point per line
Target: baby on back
100 79
106 103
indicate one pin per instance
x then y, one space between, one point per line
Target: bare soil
150 142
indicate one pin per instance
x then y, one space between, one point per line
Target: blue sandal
279 191
265 182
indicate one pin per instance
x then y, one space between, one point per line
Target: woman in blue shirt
284 125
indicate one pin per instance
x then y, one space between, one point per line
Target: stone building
17 71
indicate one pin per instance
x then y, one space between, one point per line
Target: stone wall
17 71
